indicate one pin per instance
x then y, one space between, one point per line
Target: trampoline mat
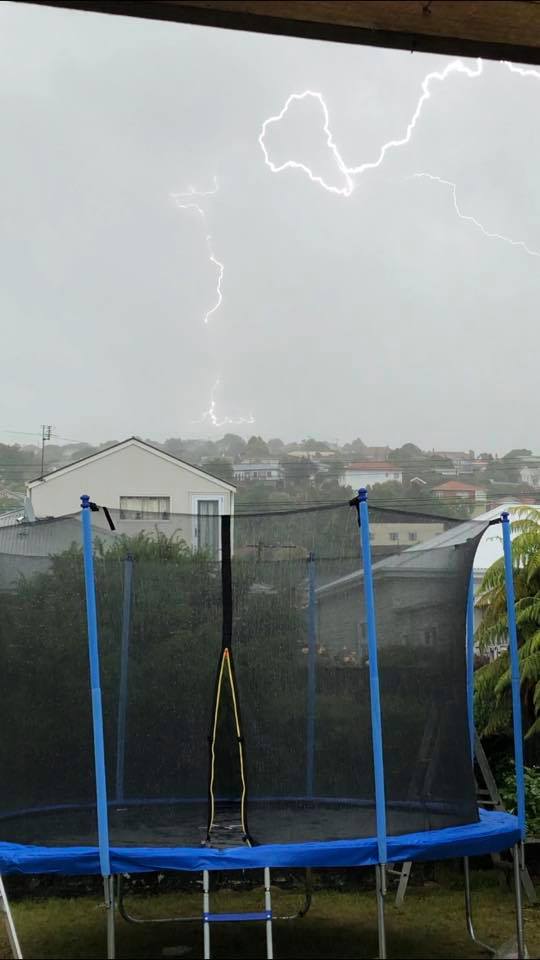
185 823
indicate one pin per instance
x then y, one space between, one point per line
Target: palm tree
493 703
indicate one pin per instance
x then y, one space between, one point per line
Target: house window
208 526
394 537
413 537
145 508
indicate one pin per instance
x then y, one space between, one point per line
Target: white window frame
197 498
144 496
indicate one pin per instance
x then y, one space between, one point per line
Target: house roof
490 547
10 517
44 538
457 485
376 465
123 444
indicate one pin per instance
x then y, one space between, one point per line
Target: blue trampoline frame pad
495 831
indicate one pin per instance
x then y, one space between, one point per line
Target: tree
18 464
276 446
408 453
232 445
298 470
516 453
503 471
175 447
220 467
381 493
256 448
314 445
493 681
356 448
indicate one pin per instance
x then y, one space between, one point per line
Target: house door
206 524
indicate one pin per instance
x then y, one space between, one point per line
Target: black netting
46 759
235 682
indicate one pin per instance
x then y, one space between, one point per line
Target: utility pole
45 435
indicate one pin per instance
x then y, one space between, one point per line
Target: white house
530 472
365 474
146 488
268 471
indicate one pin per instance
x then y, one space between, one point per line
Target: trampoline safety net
235 678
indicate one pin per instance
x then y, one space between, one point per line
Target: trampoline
231 693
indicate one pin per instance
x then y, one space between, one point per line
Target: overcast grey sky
381 314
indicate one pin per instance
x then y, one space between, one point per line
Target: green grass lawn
339 925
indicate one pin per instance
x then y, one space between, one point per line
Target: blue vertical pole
470 662
124 671
95 687
312 655
514 669
376 723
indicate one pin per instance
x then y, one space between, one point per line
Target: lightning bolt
351 173
522 71
473 220
210 415
295 164
185 201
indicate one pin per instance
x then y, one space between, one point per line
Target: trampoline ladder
487 796
264 916
5 910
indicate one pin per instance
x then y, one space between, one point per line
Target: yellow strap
226 659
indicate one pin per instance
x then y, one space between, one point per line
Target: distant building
400 536
459 458
409 593
458 490
269 472
311 454
530 472
460 463
377 453
369 472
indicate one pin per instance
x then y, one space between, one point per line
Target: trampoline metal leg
268 908
308 899
120 905
11 931
468 909
518 857
380 886
108 889
206 909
